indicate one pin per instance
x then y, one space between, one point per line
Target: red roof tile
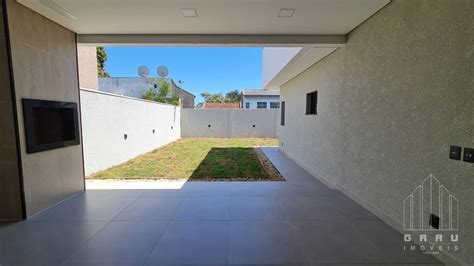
221 106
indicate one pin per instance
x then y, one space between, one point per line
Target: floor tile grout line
85 242
96 233
294 230
124 208
360 234
164 231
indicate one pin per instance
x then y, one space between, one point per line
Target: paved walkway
300 221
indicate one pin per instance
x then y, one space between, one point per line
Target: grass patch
196 159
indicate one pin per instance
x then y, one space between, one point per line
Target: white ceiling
331 17
305 58
216 18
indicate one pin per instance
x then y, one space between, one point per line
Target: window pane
261 105
312 103
282 110
274 105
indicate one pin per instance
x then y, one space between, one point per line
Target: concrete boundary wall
229 123
117 128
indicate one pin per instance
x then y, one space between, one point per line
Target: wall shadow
229 163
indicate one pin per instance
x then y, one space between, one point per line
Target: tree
230 97
101 59
233 96
213 97
160 91
199 105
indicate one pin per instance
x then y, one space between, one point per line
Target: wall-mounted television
50 124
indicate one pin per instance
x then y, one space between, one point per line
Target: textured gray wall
229 123
107 117
391 102
45 67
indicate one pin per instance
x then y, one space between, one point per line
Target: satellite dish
143 71
162 71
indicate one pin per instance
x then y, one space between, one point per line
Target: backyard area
200 159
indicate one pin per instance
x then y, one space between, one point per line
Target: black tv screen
50 124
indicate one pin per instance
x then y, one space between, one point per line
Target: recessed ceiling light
286 12
189 12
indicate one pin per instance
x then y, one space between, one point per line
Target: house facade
125 86
260 99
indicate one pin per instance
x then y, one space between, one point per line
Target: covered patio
375 132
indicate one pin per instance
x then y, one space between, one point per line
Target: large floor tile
256 209
85 208
334 242
390 243
124 193
192 243
310 208
260 189
264 243
121 242
350 208
150 209
159 193
207 189
100 264
43 243
203 209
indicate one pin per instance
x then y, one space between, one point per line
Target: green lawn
196 159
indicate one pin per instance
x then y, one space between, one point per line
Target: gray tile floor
300 221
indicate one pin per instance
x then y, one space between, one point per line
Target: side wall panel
229 123
107 118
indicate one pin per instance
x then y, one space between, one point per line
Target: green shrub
160 91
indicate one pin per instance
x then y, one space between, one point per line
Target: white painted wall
252 100
229 123
107 117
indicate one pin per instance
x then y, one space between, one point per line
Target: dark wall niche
50 124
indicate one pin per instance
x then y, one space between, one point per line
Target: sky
202 69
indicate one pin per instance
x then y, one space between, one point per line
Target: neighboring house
127 86
134 86
221 106
260 99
